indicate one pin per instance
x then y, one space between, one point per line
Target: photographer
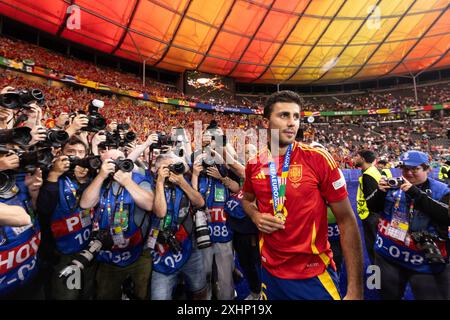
412 240
19 240
122 200
210 177
172 245
66 228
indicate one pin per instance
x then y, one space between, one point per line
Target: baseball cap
413 158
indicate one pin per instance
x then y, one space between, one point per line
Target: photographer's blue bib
71 226
115 213
18 246
233 206
165 260
334 233
399 219
216 195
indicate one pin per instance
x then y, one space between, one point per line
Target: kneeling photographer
173 247
122 200
412 241
66 228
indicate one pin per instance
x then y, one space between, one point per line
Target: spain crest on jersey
295 175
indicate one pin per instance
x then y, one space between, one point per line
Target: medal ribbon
279 191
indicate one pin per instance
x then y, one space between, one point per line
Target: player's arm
351 247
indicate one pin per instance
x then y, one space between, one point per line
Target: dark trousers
370 225
337 255
425 286
246 247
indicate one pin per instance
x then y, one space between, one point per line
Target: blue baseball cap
413 158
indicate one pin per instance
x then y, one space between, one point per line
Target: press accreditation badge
117 236
85 218
398 230
219 194
151 241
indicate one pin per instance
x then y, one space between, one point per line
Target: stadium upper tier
272 41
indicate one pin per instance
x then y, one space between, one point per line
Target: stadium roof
271 41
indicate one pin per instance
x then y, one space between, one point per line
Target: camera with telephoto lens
163 141
115 139
425 242
90 162
96 121
54 138
20 136
177 168
7 181
126 165
40 158
100 239
395 183
168 238
202 230
21 99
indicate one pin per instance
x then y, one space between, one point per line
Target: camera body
39 158
115 140
395 183
21 99
126 165
177 168
167 237
425 242
55 138
163 140
96 121
90 162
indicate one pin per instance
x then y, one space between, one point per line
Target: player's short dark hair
368 155
280 96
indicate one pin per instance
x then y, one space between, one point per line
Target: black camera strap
104 199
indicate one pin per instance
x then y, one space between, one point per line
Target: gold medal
281 217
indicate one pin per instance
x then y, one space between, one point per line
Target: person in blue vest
122 201
19 242
412 241
210 177
171 239
66 228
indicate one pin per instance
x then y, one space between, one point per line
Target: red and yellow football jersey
301 250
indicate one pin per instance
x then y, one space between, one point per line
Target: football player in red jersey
292 184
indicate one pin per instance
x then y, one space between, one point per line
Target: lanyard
398 197
107 203
279 191
72 188
169 219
